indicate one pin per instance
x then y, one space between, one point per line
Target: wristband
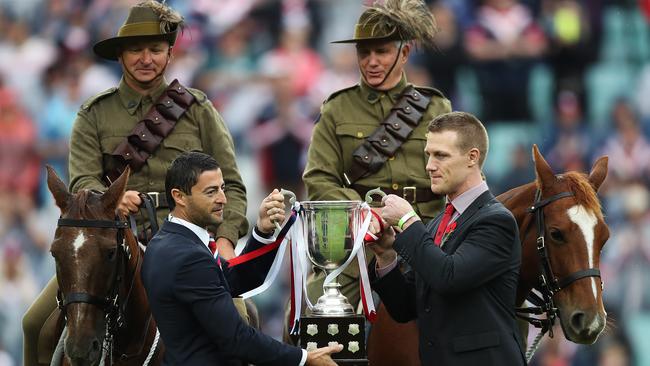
405 218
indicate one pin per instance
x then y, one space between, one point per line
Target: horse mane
583 190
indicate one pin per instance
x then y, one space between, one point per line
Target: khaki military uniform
102 123
347 118
105 120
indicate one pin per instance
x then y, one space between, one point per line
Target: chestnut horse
564 211
101 294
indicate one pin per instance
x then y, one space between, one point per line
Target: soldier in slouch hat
144 122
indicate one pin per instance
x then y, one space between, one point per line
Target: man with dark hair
465 262
144 122
189 291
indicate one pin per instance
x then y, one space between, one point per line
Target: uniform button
391 158
427 309
359 134
429 343
150 182
372 96
395 186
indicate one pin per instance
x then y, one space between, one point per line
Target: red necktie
449 211
212 245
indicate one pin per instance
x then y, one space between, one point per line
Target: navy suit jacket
463 294
191 300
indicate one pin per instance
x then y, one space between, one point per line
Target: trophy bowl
330 229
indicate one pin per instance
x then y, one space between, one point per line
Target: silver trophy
330 229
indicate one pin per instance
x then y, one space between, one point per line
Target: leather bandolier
148 133
384 142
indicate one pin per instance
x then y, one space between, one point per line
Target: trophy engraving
312 329
353 346
332 329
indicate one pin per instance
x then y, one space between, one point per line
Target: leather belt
409 193
159 199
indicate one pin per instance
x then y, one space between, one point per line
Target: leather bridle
548 284
113 305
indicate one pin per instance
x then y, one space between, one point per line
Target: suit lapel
473 208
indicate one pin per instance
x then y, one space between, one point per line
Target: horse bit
548 284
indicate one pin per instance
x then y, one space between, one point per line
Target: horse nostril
578 320
95 345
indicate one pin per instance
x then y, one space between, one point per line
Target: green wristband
405 218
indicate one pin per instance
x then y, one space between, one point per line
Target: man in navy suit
190 292
464 263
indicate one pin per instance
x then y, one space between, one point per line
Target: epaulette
431 92
199 95
338 92
97 97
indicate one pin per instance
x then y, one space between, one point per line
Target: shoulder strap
147 134
384 142
94 99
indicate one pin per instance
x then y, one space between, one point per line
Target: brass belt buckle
155 197
405 193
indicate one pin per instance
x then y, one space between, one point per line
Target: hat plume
411 18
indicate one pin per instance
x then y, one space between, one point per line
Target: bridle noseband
548 284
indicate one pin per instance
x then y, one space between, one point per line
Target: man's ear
474 155
178 196
406 50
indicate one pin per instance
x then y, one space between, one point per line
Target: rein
548 284
112 305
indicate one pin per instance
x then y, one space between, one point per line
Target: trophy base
319 331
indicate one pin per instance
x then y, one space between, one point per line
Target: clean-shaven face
447 166
375 60
144 62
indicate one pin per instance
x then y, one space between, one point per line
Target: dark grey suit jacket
191 300
463 294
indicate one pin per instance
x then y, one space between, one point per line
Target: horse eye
111 254
557 235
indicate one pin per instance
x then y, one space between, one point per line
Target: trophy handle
373 192
292 200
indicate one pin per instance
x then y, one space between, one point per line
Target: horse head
570 225
90 253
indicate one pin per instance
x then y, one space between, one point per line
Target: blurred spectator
521 170
443 62
568 145
19 164
571 45
17 290
627 147
282 135
503 43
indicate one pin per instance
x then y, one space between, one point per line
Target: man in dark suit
190 291
464 263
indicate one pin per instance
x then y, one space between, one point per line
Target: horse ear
598 172
58 189
545 175
111 198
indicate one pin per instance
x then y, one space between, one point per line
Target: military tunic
105 120
347 118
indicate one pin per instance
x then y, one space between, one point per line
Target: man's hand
130 203
271 211
383 247
321 356
226 248
394 208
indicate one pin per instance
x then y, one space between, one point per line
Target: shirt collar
200 232
464 200
372 95
131 99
